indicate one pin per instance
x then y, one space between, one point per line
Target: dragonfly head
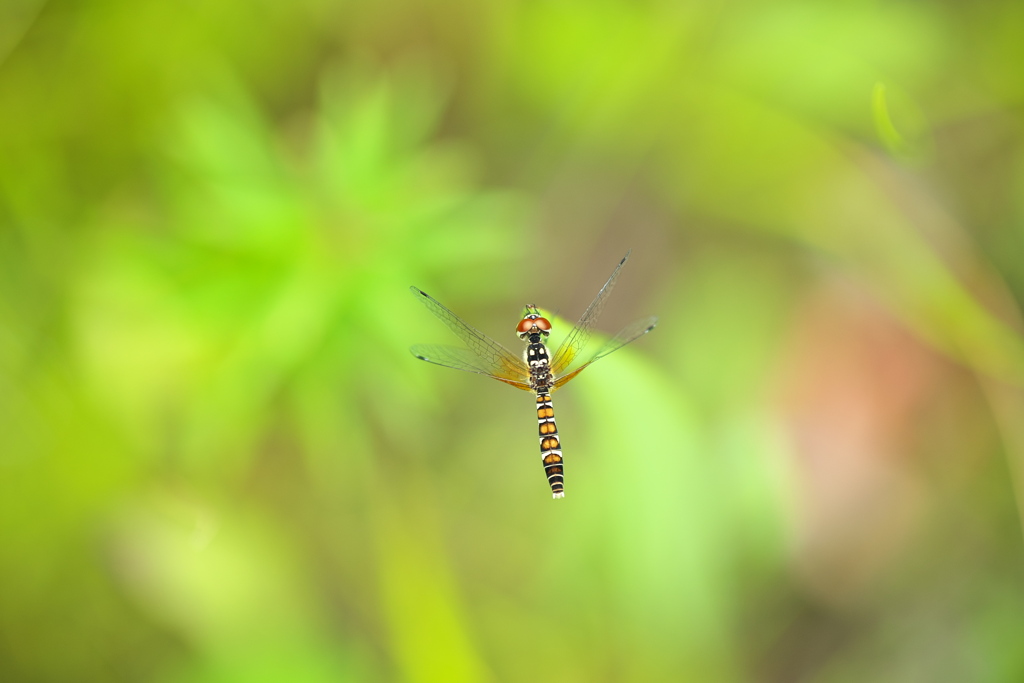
533 323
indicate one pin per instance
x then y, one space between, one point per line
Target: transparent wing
579 336
463 359
629 333
491 357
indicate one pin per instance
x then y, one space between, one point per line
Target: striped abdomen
550 449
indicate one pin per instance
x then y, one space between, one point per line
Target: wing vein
494 359
579 336
626 335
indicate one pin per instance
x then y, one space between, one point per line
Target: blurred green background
219 462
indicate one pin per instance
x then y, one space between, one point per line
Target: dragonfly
535 370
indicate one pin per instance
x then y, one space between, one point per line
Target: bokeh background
219 462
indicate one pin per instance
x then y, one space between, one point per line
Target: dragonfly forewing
501 362
459 358
577 339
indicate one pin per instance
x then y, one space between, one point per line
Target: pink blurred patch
855 384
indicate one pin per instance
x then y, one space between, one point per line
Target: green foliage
219 462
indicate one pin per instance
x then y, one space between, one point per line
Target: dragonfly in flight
536 370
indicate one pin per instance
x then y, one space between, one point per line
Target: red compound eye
542 324
524 325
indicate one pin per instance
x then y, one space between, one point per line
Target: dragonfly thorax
536 357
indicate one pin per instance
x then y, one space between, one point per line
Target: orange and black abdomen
550 448
541 382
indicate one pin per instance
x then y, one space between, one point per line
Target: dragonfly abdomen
541 381
550 448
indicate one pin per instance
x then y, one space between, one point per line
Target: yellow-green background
219 462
